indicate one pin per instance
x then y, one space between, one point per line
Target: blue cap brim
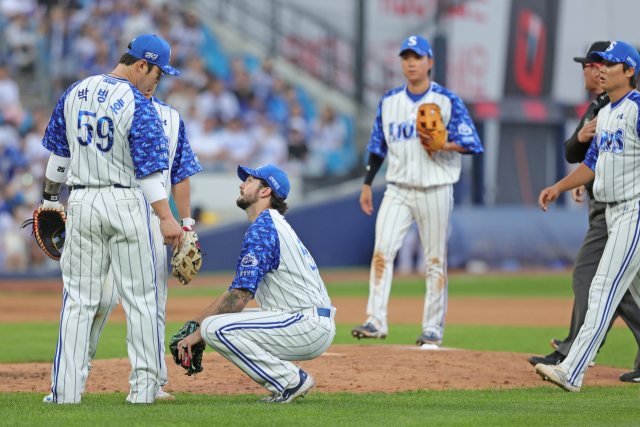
599 56
244 172
169 70
416 50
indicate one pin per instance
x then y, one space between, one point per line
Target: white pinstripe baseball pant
110 297
107 227
617 271
402 205
263 343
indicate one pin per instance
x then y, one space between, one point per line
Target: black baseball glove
193 364
48 229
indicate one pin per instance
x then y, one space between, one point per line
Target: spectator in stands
218 102
297 141
239 146
9 91
262 81
209 145
22 43
243 91
329 135
271 146
138 22
276 103
195 73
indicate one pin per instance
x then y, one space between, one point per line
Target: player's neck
124 72
418 87
619 93
256 209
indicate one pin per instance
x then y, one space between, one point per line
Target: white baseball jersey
614 151
277 268
395 135
111 132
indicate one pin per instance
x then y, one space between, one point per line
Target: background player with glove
183 163
110 140
296 319
424 163
611 160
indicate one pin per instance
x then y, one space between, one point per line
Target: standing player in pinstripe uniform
183 163
613 160
420 188
110 138
295 320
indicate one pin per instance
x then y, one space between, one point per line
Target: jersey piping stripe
612 292
446 251
56 364
155 275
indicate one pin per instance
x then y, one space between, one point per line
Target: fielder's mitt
186 261
48 229
193 365
430 121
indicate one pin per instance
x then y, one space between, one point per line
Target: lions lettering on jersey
614 150
395 134
277 268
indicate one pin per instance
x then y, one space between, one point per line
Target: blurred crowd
247 114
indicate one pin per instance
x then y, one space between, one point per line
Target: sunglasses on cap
591 64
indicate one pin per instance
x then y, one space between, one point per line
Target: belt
324 312
82 187
320 311
612 204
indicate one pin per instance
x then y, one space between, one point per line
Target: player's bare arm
580 176
51 187
168 225
366 199
232 301
181 193
577 194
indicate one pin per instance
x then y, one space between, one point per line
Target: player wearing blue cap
107 140
420 188
295 320
612 161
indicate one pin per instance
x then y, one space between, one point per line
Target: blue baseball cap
418 44
276 178
154 50
619 52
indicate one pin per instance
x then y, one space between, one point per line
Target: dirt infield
353 368
461 311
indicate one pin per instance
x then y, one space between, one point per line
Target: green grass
541 406
510 286
35 342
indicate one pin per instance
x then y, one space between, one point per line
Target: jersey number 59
100 128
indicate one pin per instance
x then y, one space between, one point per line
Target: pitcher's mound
354 368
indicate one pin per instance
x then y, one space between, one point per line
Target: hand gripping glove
187 260
430 121
192 365
48 228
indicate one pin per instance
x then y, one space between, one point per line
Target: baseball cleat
48 398
367 331
555 374
163 395
269 398
554 358
290 394
631 377
429 338
555 343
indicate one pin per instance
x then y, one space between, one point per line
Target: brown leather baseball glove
48 229
187 260
430 121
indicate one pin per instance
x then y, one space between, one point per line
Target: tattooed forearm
232 301
51 187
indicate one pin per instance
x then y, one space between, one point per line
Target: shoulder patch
464 129
249 261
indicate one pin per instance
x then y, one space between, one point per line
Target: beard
246 200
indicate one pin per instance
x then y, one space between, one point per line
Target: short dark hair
633 81
276 201
128 59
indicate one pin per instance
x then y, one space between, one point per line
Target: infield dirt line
461 311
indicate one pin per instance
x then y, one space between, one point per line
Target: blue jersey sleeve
55 136
185 162
461 129
377 142
147 142
591 157
260 254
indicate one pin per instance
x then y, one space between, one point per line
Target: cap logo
273 181
150 55
631 62
413 40
611 46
